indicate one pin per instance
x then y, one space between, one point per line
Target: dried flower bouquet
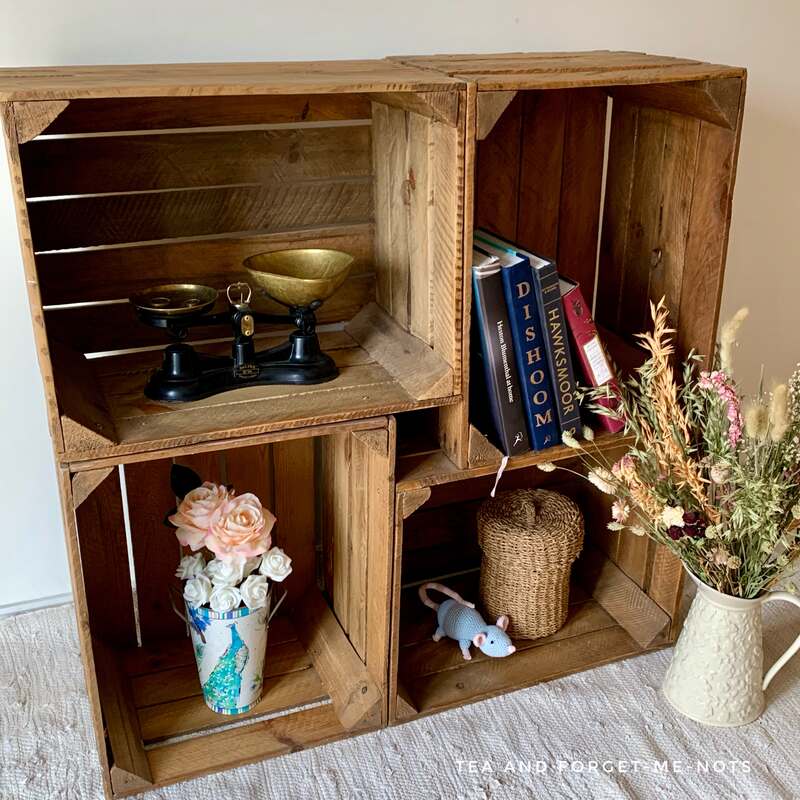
713 476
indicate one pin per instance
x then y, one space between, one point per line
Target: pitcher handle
792 649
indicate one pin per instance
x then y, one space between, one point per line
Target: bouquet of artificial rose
232 560
713 476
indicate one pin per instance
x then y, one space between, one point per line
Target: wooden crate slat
445 226
581 184
616 213
66 166
104 560
577 79
236 78
361 392
715 101
173 653
250 469
379 447
707 241
118 272
181 682
191 714
294 488
357 544
355 696
333 481
489 677
542 160
491 106
106 328
428 657
156 551
623 598
237 746
112 219
31 282
497 175
84 483
643 221
668 263
158 113
130 770
420 370
514 64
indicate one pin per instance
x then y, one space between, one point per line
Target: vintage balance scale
301 280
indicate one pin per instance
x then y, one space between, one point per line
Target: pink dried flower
620 511
720 383
625 463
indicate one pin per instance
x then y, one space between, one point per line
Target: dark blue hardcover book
529 347
547 290
502 385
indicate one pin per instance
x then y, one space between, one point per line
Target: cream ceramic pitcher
717 672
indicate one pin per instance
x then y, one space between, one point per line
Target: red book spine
594 362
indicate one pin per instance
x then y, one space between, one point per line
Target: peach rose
240 528
194 514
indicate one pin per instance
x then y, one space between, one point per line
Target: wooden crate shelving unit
619 165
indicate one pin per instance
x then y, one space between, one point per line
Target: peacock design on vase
224 684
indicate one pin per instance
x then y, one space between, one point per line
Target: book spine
551 312
501 378
529 352
595 365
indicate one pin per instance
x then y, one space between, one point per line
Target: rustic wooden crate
619 605
127 177
620 166
331 488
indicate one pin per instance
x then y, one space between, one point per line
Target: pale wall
762 266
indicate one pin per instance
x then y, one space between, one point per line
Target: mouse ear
478 639
502 622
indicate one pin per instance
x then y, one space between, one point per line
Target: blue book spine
505 405
530 354
551 314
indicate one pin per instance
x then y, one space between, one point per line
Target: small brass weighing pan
299 277
175 299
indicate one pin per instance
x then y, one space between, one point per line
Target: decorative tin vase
229 649
717 672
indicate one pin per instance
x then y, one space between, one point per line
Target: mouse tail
423 595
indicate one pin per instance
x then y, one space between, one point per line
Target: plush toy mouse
458 619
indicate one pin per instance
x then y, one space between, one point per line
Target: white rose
197 590
225 598
190 566
225 573
251 565
255 591
275 564
672 515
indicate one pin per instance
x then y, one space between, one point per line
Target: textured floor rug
607 733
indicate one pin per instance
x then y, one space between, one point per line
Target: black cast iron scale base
186 374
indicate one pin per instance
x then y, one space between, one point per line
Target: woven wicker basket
529 540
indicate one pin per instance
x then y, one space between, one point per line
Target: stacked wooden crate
619 165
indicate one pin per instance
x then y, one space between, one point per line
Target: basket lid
539 524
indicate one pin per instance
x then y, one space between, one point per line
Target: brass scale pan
175 300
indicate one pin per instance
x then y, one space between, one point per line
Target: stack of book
526 321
